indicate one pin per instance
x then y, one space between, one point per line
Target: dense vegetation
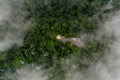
48 19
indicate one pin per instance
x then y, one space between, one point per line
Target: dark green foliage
65 17
116 4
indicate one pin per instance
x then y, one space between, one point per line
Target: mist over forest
39 40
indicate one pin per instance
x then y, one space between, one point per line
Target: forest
70 18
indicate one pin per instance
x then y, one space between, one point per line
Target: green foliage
50 18
116 3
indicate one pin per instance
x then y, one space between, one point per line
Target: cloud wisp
12 24
109 67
